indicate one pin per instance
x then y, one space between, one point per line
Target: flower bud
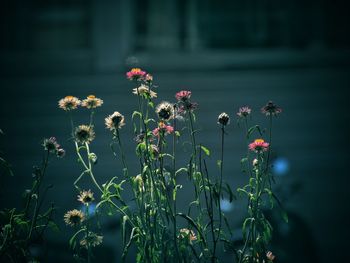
224 119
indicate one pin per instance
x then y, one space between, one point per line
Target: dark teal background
229 54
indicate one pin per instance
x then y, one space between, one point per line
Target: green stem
125 166
36 189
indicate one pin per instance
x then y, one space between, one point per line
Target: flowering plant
157 227
24 229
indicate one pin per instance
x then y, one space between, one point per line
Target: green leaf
183 169
229 191
283 212
246 221
205 150
252 129
177 133
136 113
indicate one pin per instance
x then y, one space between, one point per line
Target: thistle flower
271 109
69 103
224 119
187 233
184 103
74 217
144 90
244 112
165 110
91 102
86 197
91 240
259 145
51 145
183 95
84 134
163 128
270 256
136 74
115 121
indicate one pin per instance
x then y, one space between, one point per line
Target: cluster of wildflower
53 147
69 103
166 112
77 218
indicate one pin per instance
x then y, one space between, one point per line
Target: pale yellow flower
115 121
144 90
69 103
84 134
74 217
86 197
91 102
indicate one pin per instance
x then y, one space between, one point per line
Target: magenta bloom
244 112
136 74
183 95
259 145
163 128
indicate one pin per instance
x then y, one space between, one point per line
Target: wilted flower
135 74
69 103
165 110
74 217
259 145
148 78
163 128
144 90
114 121
138 181
91 240
51 145
93 158
224 119
84 134
183 95
270 256
86 197
255 162
140 137
60 153
154 150
244 112
187 233
271 109
91 102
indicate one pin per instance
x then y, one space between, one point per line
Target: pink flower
136 74
183 95
271 109
162 127
244 112
258 145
